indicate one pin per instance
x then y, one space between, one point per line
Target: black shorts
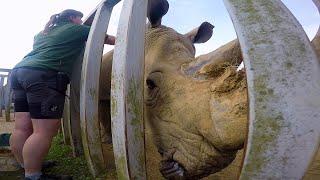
40 92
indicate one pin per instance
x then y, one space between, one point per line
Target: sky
21 20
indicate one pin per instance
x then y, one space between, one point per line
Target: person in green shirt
39 83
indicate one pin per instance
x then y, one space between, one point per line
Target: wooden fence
5 93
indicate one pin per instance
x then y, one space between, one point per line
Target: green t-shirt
58 49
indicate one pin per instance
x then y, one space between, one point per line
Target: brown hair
64 16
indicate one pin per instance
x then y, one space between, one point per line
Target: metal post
284 90
75 84
89 99
66 129
127 92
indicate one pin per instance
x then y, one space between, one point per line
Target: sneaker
55 177
52 177
48 164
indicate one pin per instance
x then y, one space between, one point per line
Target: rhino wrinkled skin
202 122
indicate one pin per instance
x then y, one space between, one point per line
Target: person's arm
111 40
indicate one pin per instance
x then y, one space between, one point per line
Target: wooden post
127 92
8 98
89 93
1 94
283 88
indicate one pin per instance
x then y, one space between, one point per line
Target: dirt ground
6 127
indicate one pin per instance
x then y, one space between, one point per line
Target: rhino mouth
169 168
172 165
172 170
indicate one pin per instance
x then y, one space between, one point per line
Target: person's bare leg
38 144
22 130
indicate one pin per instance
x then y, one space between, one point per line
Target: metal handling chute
283 76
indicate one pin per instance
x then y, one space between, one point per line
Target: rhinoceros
195 113
195 108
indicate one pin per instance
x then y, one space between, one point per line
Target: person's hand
111 40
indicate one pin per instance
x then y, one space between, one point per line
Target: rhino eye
151 85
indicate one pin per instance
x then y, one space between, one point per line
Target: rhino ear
156 10
201 34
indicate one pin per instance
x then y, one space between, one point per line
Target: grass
67 164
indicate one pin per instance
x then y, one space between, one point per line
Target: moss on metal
268 127
121 167
113 99
136 112
92 93
135 109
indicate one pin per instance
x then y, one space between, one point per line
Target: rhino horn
156 10
211 65
208 65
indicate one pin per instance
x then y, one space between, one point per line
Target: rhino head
196 107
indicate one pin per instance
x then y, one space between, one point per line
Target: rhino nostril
151 85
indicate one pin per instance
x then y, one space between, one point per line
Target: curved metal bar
283 87
66 129
127 92
317 3
89 99
75 128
